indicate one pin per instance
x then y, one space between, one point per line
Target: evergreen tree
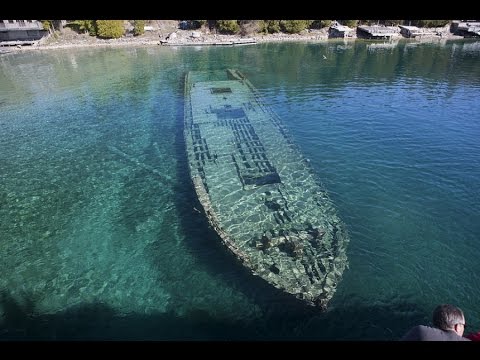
110 29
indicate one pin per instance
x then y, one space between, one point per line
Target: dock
182 42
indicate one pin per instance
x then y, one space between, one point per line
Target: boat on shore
258 191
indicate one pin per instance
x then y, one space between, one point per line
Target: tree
249 27
58 25
228 26
47 25
89 26
349 23
52 25
138 27
392 22
295 26
110 29
318 24
430 23
270 26
197 24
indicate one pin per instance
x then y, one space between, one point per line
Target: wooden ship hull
257 190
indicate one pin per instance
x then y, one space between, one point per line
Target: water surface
101 237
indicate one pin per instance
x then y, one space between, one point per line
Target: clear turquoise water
100 236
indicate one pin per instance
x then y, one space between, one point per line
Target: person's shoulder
473 336
415 333
424 333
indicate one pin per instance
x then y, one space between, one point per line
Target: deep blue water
100 236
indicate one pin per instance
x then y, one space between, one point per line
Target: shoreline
185 38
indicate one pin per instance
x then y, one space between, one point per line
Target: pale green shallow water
100 237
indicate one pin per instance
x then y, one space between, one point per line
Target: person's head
449 317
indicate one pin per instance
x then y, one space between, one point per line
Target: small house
20 31
340 31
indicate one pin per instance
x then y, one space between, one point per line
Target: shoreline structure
69 39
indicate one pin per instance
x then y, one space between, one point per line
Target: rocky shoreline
68 39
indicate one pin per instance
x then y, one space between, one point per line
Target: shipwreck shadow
99 322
